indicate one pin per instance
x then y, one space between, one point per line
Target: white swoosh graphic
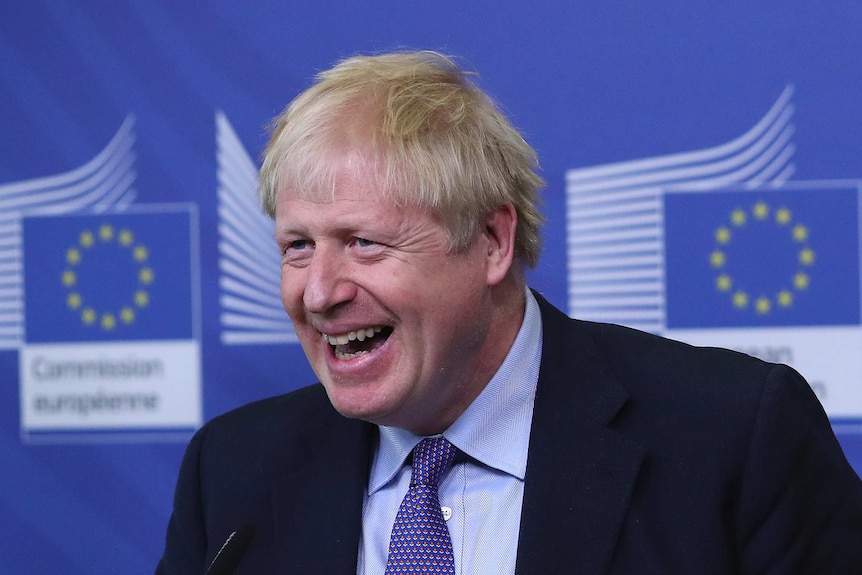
251 309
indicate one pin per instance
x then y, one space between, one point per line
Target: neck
508 305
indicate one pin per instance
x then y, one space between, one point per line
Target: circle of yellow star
90 316
718 258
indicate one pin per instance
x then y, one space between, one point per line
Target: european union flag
738 258
108 277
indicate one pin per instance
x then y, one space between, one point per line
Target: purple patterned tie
420 541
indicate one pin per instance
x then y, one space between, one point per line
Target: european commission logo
111 323
720 247
781 258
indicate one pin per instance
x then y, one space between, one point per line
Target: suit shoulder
634 354
288 413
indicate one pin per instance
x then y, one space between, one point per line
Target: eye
364 243
296 252
296 245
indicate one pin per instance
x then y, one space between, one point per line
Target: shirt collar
495 428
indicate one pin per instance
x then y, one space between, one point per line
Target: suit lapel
317 501
580 473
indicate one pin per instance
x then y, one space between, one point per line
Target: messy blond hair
429 135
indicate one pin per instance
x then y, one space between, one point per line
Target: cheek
291 292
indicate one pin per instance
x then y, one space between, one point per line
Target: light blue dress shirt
484 494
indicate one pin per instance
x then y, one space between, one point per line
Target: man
405 212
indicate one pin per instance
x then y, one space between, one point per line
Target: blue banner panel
108 277
779 258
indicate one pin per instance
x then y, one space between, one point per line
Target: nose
328 283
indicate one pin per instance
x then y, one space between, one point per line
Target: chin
354 404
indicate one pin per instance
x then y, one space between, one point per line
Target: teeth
360 335
346 356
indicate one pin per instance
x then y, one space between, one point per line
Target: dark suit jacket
646 456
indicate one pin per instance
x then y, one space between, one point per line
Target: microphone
228 557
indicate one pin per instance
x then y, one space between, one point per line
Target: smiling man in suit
462 424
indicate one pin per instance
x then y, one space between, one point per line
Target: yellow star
760 210
783 216
738 217
126 238
763 305
127 315
106 232
73 300
740 299
800 233
142 298
141 253
722 235
86 240
69 278
806 257
723 282
146 275
73 256
109 322
717 259
88 316
785 298
801 280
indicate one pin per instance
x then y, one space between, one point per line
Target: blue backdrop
106 107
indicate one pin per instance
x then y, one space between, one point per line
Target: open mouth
357 343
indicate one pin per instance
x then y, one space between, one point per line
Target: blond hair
426 131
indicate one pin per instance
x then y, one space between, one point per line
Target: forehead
353 193
348 187
334 174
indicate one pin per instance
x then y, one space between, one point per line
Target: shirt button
447 512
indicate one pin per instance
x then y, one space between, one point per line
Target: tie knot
431 458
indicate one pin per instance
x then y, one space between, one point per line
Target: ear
500 230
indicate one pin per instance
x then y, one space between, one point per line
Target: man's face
394 325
